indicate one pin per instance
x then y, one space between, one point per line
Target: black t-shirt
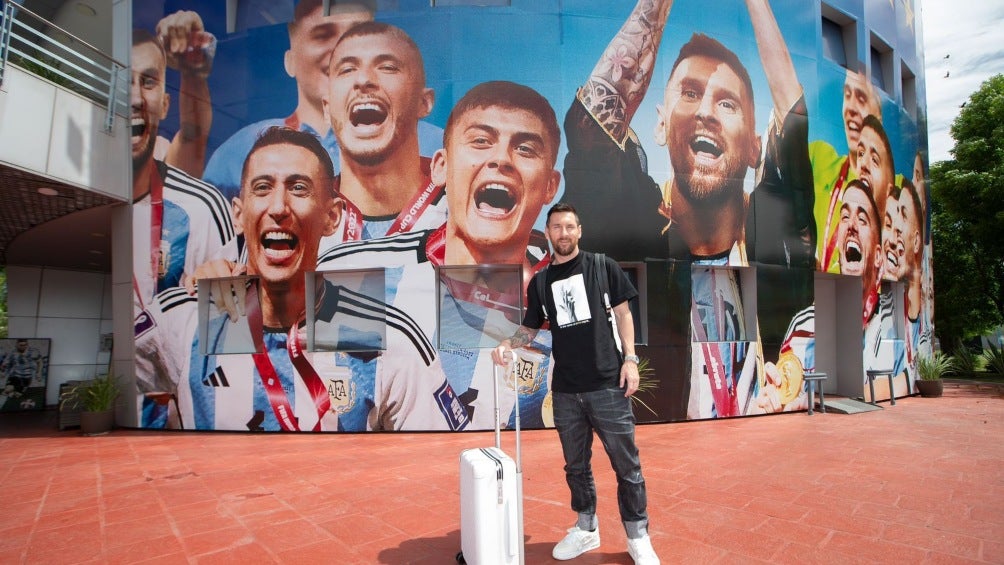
585 354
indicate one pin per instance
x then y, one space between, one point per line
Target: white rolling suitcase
491 501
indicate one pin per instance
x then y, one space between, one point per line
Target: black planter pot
930 389
96 423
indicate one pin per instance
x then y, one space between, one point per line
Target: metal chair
814 381
876 373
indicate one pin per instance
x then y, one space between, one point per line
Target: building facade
760 177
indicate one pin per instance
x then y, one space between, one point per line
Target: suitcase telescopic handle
507 370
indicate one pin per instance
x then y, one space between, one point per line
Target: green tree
968 220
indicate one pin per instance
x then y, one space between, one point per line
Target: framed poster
24 370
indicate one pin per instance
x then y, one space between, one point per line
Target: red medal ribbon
435 246
270 379
156 231
156 224
406 218
722 392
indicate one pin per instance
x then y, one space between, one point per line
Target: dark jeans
608 413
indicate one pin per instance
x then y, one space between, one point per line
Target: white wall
51 131
72 308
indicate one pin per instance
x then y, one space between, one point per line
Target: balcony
63 144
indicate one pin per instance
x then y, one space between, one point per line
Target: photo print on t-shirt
570 301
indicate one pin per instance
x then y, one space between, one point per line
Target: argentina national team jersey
724 356
197 227
411 285
401 388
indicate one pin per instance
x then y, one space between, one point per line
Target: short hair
562 207
142 36
875 123
509 96
304 8
856 183
20 341
701 45
373 27
282 135
918 206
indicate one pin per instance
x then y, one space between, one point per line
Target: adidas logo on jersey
216 379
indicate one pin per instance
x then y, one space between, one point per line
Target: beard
564 248
706 185
703 184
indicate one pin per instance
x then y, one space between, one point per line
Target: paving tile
928 489
283 536
211 541
874 549
933 539
248 553
150 550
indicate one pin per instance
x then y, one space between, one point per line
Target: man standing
179 222
286 207
591 393
707 123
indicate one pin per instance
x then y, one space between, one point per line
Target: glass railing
38 46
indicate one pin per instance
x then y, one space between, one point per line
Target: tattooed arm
621 77
522 337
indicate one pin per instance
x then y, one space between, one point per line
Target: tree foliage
968 220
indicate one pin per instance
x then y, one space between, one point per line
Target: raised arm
785 89
190 49
621 77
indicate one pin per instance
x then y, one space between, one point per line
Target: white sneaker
641 551
576 543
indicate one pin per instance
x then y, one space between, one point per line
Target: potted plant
930 369
96 401
646 384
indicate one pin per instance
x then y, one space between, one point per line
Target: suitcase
491 500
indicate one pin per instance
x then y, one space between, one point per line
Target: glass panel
347 310
479 305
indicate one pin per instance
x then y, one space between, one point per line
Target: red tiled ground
919 482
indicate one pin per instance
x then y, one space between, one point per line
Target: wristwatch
632 358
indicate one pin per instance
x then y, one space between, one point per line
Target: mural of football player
179 222
286 206
497 167
832 170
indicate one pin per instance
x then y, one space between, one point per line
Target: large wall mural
333 213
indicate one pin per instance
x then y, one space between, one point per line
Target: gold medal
791 372
547 411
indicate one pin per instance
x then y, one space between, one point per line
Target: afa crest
527 373
342 393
